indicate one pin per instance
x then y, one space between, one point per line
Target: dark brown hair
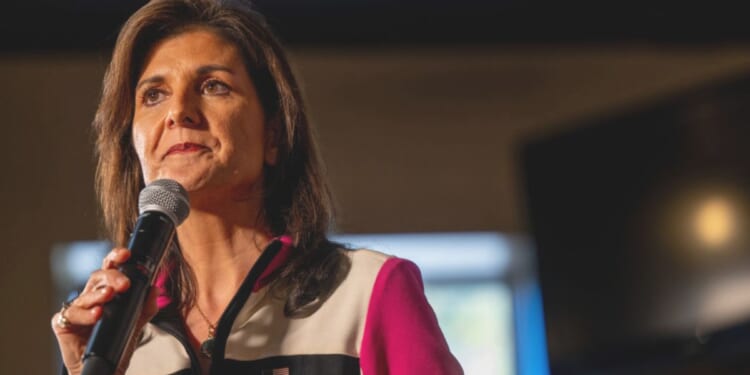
296 197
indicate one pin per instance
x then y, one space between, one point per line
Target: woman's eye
214 87
152 96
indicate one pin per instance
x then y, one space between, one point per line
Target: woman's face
198 119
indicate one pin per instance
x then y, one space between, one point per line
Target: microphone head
166 196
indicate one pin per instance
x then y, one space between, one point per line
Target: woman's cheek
140 146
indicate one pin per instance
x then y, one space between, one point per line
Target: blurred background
572 178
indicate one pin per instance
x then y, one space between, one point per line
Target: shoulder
366 258
373 278
378 265
364 265
371 267
401 334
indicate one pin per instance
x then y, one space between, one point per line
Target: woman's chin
190 181
206 187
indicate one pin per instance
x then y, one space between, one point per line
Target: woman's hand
74 327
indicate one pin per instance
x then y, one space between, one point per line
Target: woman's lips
187 147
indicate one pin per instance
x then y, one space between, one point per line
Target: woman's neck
221 245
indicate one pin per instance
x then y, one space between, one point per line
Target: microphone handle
151 238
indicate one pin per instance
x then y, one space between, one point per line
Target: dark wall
47 194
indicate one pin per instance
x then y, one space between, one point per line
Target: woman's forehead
188 49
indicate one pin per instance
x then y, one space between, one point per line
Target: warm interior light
715 222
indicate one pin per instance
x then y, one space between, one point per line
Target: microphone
162 206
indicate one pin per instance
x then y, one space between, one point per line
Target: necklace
207 346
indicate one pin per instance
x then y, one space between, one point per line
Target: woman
199 91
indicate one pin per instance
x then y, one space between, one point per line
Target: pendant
207 347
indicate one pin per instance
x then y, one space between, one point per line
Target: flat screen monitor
640 222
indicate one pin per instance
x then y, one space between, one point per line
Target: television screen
640 221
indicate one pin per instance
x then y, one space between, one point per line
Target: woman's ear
272 141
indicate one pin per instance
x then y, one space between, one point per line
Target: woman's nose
183 111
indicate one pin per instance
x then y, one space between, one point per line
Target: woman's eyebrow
152 79
205 69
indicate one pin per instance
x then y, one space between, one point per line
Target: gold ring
62 321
